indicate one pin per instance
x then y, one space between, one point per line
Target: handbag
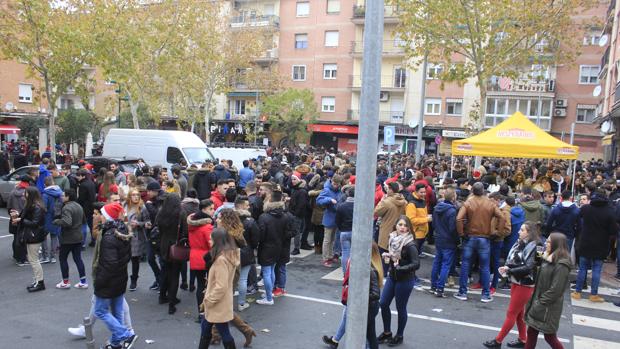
179 251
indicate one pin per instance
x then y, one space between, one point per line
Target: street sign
389 135
438 139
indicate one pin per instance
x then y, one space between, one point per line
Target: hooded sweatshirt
444 221
564 218
50 195
533 211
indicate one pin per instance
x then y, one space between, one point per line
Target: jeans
298 236
371 334
76 252
126 314
33 259
242 285
280 272
110 311
496 250
480 246
569 242
337 247
153 260
50 246
328 243
343 324
222 329
401 290
584 264
345 243
509 241
442 263
269 279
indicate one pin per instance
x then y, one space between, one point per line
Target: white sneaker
77 331
81 285
236 294
63 285
244 306
264 301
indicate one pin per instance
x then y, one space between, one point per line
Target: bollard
88 331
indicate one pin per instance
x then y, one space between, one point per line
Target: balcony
393 48
389 116
524 86
268 56
394 82
250 21
390 14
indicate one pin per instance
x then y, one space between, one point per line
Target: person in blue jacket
564 218
51 194
43 173
446 241
329 198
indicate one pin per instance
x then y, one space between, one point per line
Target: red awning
333 128
8 129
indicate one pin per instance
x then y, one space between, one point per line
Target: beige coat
218 301
389 209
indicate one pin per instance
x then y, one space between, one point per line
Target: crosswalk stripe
336 275
603 291
591 343
606 306
605 324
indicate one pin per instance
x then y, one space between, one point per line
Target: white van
156 147
237 155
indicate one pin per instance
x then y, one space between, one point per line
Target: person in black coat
87 195
299 206
30 231
169 224
203 182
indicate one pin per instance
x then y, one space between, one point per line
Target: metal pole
389 160
119 105
452 166
88 332
574 163
359 277
418 150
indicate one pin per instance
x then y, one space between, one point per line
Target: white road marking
336 275
603 291
421 317
605 324
5 236
585 303
591 343
7 218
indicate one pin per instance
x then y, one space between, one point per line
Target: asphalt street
299 320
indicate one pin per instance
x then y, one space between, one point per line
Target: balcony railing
395 81
520 85
605 58
268 55
359 11
390 47
255 21
393 117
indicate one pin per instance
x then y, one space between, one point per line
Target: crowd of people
210 228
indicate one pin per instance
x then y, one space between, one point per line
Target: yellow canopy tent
515 137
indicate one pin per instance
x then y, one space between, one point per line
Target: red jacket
101 197
378 194
217 198
199 232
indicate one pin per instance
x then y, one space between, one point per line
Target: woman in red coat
199 228
107 187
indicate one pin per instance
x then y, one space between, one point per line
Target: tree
480 39
74 124
54 39
29 127
290 111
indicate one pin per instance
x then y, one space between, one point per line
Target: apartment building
608 116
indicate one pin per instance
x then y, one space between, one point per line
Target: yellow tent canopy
515 137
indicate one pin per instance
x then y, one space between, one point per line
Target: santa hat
112 211
477 174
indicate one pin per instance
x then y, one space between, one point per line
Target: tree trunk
483 110
51 132
133 107
208 99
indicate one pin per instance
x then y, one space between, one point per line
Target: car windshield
197 155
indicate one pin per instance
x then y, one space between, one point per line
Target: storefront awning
8 129
344 129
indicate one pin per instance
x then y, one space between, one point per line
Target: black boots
133 284
229 345
204 342
37 286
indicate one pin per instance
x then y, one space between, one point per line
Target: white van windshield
197 155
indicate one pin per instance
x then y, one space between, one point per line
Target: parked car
8 182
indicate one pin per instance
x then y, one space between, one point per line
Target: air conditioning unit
560 113
384 96
561 103
551 86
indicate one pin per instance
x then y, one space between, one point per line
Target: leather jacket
374 292
521 263
408 264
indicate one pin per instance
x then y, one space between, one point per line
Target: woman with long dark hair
544 310
31 233
107 188
218 300
168 221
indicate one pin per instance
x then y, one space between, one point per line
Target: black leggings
318 231
135 267
170 280
201 282
76 252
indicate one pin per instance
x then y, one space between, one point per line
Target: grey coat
544 310
71 223
139 241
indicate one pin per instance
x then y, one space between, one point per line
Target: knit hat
476 174
112 211
153 186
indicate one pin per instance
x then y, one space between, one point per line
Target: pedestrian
564 218
446 241
344 223
520 267
154 200
251 234
71 221
389 210
298 206
402 259
199 229
137 218
52 199
218 299
246 174
87 196
329 197
544 309
31 233
189 205
180 179
168 221
107 187
417 212
218 196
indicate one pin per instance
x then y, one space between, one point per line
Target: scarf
396 244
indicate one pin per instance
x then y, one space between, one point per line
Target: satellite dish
597 91
9 106
606 126
413 123
603 40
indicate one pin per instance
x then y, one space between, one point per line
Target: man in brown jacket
473 222
389 209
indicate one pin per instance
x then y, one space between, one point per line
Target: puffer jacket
389 209
71 223
407 265
298 205
50 195
251 234
478 211
521 263
544 310
274 228
325 199
417 212
199 232
203 181
112 254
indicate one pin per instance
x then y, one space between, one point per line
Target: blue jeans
222 328
584 264
280 272
569 242
343 323
269 279
337 247
110 311
345 244
242 285
442 263
401 290
481 246
509 241
496 251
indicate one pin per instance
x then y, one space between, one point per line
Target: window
301 40
591 39
299 73
25 93
454 107
239 107
331 38
432 106
303 9
173 155
433 71
333 6
588 74
400 77
328 104
539 72
585 114
66 103
330 70
537 110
